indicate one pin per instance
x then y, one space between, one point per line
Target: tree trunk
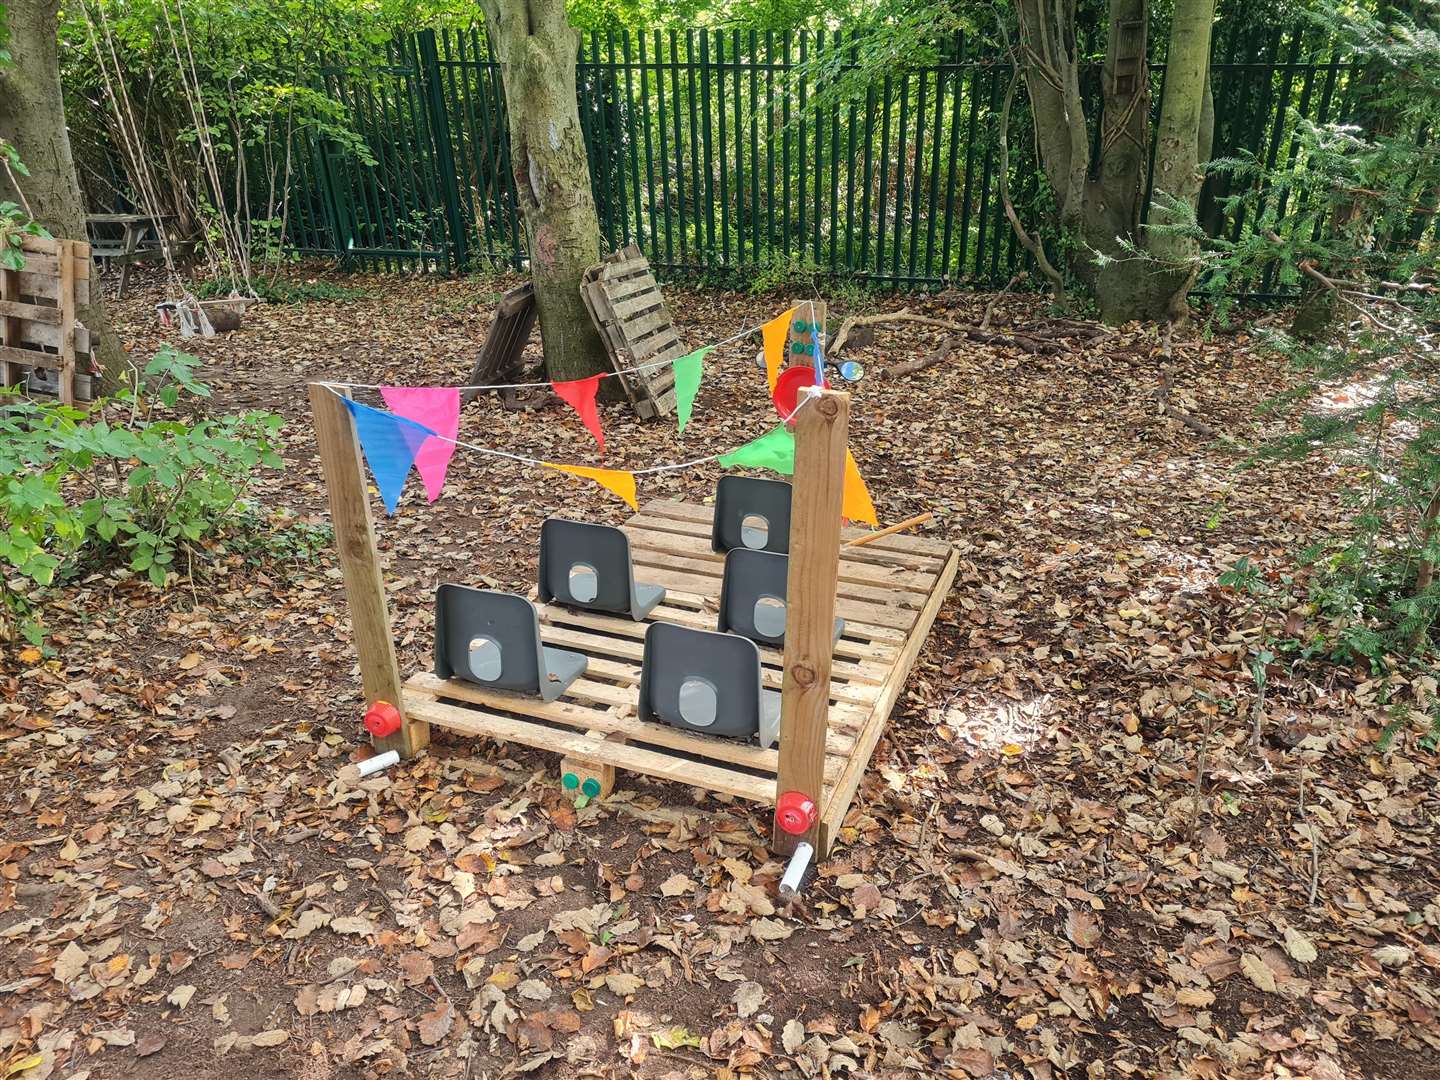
32 118
1178 172
1100 197
1115 191
537 48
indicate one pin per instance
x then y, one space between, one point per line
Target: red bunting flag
580 393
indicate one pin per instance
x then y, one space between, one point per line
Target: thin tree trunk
32 118
1115 192
1425 572
537 49
1178 172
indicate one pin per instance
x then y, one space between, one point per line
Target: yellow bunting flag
776 332
856 504
619 481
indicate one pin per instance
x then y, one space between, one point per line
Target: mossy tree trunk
1099 190
32 119
537 50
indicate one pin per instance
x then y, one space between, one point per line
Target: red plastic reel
787 389
382 719
796 813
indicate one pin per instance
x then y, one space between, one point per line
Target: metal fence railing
712 152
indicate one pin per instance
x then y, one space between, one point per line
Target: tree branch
1028 242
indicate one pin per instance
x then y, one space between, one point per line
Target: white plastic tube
379 762
795 871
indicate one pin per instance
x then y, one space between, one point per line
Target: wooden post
9 327
806 311
66 257
360 564
821 431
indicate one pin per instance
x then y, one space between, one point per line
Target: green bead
591 787
570 781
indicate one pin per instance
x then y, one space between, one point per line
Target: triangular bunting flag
390 444
687 382
773 450
580 393
775 333
435 407
617 480
856 503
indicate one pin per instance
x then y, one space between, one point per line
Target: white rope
332 383
523 460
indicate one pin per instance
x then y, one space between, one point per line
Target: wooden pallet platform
889 594
38 325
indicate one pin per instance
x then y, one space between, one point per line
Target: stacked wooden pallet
624 302
39 331
888 592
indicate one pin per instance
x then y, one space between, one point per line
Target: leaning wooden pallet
625 303
835 697
39 330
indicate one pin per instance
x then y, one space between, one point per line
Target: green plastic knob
570 781
591 787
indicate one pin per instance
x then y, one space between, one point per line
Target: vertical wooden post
9 327
821 430
360 564
66 257
806 311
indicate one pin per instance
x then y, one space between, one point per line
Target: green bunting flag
687 382
773 450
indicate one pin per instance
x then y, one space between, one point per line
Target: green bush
84 489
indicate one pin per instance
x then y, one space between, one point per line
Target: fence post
444 152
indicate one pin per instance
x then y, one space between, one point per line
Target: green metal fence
711 151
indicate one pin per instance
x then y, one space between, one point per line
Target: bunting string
651 365
422 428
540 462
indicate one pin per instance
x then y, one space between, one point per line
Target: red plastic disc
787 388
795 813
382 719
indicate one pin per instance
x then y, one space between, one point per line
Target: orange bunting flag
616 480
580 393
856 504
776 333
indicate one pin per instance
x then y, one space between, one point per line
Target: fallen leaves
1301 949
1082 928
436 1024
1018 889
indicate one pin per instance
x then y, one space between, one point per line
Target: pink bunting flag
437 408
580 393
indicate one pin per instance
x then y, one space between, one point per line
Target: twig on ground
990 307
1314 840
1197 793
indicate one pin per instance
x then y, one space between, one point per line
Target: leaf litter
1030 882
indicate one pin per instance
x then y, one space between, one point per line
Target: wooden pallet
625 304
38 326
499 358
889 593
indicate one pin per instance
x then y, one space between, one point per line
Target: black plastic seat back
701 681
493 640
752 595
751 513
584 565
